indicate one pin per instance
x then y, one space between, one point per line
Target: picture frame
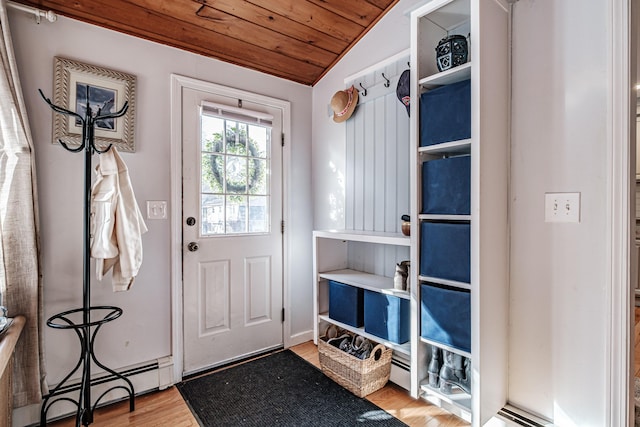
107 91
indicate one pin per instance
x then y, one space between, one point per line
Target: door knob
192 246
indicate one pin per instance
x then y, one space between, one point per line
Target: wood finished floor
167 408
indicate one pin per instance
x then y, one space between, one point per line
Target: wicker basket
360 377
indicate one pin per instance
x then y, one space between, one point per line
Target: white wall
144 331
559 303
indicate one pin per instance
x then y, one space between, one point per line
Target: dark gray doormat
280 389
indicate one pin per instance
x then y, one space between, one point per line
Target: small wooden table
8 342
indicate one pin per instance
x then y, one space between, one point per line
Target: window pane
257 176
212 214
258 214
212 173
236 179
258 141
212 130
232 139
236 214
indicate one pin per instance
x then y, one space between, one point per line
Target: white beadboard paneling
377 155
377 167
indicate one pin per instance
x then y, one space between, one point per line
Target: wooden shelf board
457 402
397 239
447 77
452 283
446 347
363 280
461 146
442 217
400 348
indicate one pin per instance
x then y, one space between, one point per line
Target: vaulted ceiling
299 40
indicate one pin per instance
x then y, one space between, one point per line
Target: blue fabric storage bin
346 304
445 113
446 315
445 250
387 316
446 186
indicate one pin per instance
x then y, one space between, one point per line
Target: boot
434 367
456 371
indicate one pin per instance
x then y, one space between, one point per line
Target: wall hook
364 90
388 83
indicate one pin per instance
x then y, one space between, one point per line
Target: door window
234 176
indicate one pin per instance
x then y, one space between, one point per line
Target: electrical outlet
562 207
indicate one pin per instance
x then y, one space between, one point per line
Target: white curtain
20 277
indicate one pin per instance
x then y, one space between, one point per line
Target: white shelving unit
486 22
333 255
367 259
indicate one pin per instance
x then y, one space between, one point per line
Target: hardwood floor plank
160 408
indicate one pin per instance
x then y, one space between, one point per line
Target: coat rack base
86 323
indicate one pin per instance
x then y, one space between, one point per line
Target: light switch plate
562 207
156 209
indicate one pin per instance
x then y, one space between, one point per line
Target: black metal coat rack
92 317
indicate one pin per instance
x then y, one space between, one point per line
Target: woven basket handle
377 351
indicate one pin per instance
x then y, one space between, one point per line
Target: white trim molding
621 194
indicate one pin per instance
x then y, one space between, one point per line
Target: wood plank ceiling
298 40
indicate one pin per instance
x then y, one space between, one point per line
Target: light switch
156 209
562 207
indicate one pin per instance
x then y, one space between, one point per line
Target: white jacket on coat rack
117 224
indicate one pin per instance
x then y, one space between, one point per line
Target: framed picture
106 91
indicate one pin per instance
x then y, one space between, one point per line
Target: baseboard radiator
520 417
147 376
400 372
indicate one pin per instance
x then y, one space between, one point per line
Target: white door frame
178 83
621 201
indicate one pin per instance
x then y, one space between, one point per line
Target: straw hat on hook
343 103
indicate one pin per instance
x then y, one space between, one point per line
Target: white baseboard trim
300 338
158 378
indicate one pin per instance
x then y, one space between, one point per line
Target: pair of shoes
456 371
343 341
361 347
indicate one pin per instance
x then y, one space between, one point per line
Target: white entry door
232 238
